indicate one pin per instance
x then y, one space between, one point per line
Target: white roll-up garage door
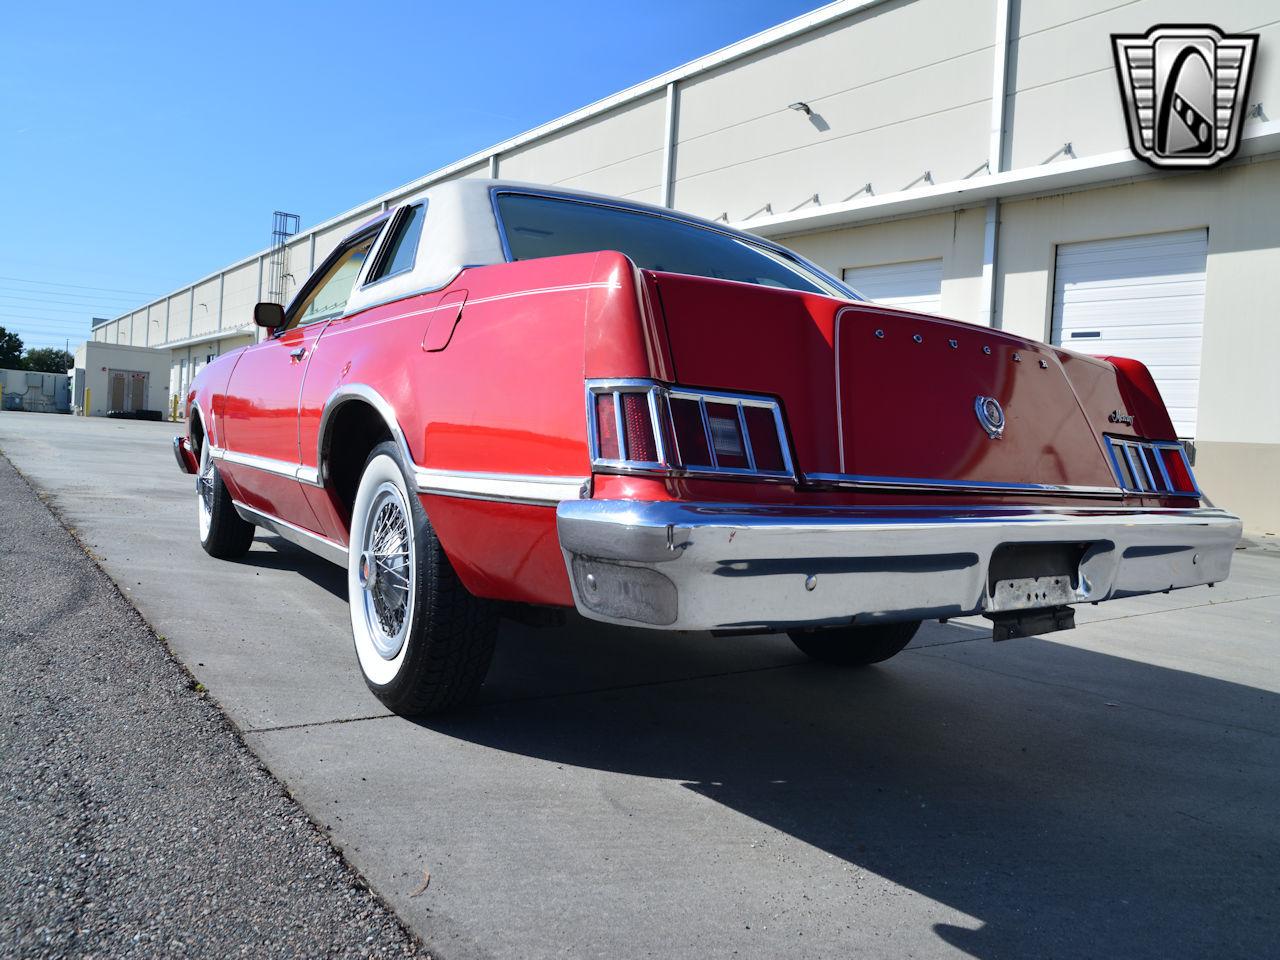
1139 297
913 286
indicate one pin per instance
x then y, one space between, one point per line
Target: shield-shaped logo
1185 91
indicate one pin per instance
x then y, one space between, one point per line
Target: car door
260 430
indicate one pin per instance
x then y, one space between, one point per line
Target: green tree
10 350
49 360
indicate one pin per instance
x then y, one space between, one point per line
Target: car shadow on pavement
284 555
1074 803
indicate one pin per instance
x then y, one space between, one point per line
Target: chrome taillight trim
659 400
1133 452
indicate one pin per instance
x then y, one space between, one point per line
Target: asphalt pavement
134 821
1113 790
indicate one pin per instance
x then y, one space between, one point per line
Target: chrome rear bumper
705 566
185 456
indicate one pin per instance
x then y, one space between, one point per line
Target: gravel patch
134 821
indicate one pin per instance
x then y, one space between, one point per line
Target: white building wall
955 237
619 153
97 360
239 294
179 316
892 95
153 335
204 316
1062 86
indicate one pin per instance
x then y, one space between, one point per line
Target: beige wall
619 153
239 294
1062 85
1239 388
326 243
204 318
1238 441
179 316
897 95
154 333
954 237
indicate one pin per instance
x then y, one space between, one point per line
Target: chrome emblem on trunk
990 415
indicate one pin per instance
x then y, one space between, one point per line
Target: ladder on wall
283 226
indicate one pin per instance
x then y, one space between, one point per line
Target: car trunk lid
874 395
926 399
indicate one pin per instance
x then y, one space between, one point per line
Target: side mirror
269 315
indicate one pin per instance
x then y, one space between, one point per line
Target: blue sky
143 145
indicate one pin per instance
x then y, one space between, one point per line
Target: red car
499 397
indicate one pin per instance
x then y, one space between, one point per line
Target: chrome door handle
299 353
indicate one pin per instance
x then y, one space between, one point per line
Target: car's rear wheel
855 646
223 532
423 641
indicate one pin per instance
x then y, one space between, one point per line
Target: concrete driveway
1109 791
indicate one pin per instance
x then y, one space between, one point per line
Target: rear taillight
1152 466
638 426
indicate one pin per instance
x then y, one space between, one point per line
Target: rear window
549 227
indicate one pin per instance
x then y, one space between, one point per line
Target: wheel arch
355 419
196 428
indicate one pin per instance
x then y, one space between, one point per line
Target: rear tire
223 532
423 641
855 646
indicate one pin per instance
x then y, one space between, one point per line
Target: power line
87 305
44 320
97 297
76 286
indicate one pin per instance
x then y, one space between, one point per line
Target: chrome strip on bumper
691 566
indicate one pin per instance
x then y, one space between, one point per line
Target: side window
402 247
329 298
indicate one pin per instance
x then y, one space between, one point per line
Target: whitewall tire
423 642
223 532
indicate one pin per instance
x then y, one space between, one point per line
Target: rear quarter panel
505 396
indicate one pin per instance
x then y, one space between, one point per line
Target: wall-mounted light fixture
802 107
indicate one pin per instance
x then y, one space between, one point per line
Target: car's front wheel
223 532
855 646
423 641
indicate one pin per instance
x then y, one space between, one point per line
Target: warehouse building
965 157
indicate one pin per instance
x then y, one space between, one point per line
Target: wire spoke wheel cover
385 570
382 574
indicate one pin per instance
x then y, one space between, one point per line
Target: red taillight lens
641 446
690 434
1175 464
765 445
647 427
607 427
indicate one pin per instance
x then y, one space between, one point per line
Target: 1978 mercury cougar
499 394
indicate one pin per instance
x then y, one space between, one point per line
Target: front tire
424 643
223 532
855 646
